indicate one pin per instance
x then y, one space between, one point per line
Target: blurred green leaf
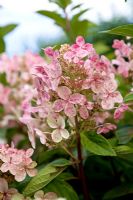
128 97
79 14
77 6
60 21
125 134
2 132
124 189
61 3
3 79
2 45
97 144
123 149
3 31
125 30
6 29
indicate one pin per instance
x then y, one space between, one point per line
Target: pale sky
32 26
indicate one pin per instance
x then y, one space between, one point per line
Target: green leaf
60 21
79 14
40 180
97 144
61 162
62 189
126 188
128 97
125 30
6 29
61 3
3 79
77 6
45 176
123 149
124 135
2 45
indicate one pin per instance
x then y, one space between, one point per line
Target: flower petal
20 175
77 98
56 136
39 194
31 172
83 112
70 110
64 133
56 121
80 41
64 92
107 103
50 196
41 135
59 105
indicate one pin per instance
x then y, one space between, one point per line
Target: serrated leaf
128 97
124 135
125 30
62 189
97 144
119 191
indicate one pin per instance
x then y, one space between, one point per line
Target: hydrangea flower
17 162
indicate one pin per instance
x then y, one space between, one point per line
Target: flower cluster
17 83
76 84
17 162
124 58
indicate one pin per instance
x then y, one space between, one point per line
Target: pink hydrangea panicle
74 81
120 111
57 122
6 193
105 128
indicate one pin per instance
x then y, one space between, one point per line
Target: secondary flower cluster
76 84
17 162
124 58
16 82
